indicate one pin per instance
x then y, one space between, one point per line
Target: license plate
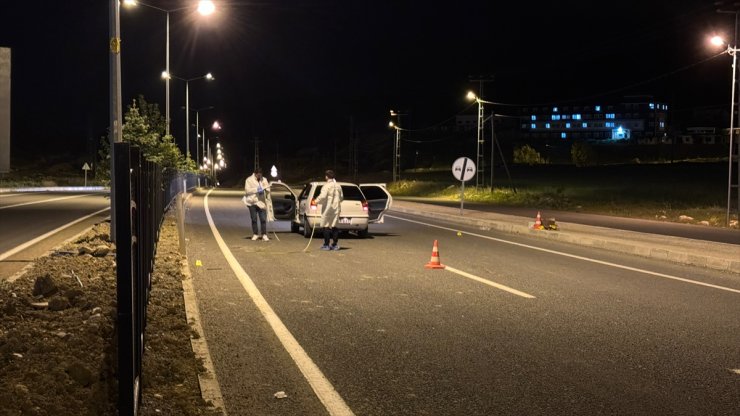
345 221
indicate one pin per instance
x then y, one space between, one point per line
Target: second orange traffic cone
434 263
538 222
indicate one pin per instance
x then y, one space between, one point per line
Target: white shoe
255 237
265 237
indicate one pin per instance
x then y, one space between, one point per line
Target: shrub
582 154
528 156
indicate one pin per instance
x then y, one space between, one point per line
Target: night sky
294 73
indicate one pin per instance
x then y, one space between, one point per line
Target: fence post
128 388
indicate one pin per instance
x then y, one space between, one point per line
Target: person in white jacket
330 199
257 199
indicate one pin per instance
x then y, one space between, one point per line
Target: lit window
597 108
665 107
652 106
609 115
533 125
534 117
576 116
563 135
556 116
547 125
554 109
610 124
584 125
662 124
565 116
567 125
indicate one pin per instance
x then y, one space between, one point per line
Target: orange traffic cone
434 262
537 222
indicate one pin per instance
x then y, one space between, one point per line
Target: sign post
463 170
85 167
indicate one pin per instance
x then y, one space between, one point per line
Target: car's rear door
379 200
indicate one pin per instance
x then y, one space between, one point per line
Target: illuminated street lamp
397 144
207 77
396 152
732 51
204 8
481 142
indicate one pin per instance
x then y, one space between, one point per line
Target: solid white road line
573 256
7 195
488 282
27 244
328 395
44 201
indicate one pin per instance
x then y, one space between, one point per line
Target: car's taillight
313 206
364 206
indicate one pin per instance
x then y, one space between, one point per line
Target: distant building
638 119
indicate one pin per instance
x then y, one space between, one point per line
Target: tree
527 155
582 154
144 127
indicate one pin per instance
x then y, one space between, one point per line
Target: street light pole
479 178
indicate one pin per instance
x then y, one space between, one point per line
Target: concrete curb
209 388
629 243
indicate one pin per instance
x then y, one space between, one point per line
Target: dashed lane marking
489 282
573 256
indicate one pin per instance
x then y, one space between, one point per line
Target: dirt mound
57 334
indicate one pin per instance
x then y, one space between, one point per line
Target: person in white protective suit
330 199
257 199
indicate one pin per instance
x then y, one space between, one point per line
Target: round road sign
463 169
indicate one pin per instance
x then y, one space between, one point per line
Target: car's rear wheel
306 227
362 233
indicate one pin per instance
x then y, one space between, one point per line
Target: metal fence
141 198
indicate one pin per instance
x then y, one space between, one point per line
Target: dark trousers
332 233
255 212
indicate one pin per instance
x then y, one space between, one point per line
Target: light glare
717 41
206 7
471 95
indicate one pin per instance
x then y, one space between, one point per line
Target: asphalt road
25 217
604 333
697 232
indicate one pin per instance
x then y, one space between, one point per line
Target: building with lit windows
637 119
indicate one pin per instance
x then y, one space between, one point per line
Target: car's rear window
352 193
374 192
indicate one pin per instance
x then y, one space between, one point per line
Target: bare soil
58 342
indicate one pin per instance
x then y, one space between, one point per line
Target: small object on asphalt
459 234
15 354
198 263
280 395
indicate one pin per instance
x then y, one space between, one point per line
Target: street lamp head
209 77
166 75
393 113
206 7
130 3
471 96
216 125
717 41
391 125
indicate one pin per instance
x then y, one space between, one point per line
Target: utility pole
734 152
480 148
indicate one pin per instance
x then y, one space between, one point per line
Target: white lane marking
560 253
7 195
328 395
44 201
27 244
489 282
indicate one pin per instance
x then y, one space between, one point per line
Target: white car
362 205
